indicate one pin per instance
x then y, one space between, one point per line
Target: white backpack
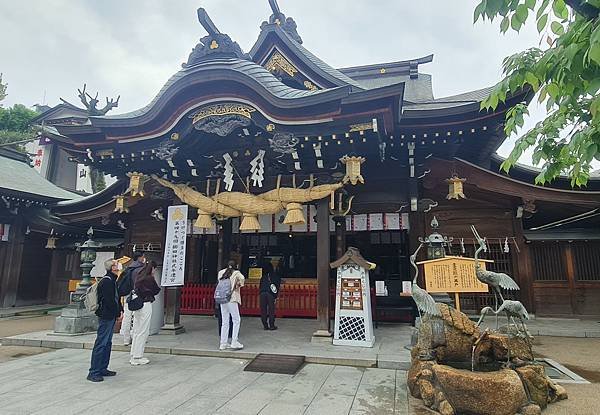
90 298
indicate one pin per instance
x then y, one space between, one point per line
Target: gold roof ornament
136 184
353 169
121 204
278 63
455 187
51 242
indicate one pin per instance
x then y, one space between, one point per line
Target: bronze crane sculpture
424 301
496 280
512 309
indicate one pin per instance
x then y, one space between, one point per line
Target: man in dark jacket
125 286
269 289
109 309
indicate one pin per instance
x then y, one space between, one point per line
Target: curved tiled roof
240 66
16 175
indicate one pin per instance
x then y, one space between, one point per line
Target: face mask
119 266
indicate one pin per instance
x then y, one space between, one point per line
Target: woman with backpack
144 290
227 295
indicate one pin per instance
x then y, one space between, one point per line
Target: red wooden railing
294 300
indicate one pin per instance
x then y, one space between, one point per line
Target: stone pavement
293 337
54 383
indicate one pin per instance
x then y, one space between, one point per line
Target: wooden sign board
453 274
254 273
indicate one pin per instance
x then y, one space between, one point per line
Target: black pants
267 309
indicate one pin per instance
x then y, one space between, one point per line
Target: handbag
134 301
273 288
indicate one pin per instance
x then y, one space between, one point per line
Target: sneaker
273 328
95 378
109 373
223 346
236 345
139 361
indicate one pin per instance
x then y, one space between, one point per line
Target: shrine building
282 157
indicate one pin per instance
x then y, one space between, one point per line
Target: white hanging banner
175 247
376 221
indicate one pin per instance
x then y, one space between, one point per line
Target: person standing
146 288
125 286
109 309
231 308
268 289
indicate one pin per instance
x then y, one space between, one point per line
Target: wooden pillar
340 236
223 243
172 312
172 297
11 268
570 263
323 260
522 266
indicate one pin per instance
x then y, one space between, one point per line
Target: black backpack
125 283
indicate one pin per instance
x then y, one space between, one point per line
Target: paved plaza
54 383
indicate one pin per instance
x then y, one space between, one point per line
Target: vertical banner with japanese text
175 245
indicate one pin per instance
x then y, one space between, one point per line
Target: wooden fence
294 300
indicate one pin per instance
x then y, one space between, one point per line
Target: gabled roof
268 39
18 177
65 110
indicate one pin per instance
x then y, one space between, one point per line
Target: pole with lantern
75 319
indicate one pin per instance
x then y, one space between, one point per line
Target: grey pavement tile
330 404
343 380
12 384
401 405
304 385
284 408
200 405
374 376
247 402
67 407
376 397
231 385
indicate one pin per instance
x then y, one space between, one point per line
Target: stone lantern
75 319
435 242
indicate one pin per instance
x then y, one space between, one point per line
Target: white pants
141 330
233 310
126 322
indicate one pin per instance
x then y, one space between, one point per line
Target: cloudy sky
50 48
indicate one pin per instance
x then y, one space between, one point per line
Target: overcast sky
50 48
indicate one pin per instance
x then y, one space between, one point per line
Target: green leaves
541 23
557 28
566 77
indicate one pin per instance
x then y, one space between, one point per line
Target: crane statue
512 309
424 301
496 280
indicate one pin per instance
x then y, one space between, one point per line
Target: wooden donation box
353 322
453 274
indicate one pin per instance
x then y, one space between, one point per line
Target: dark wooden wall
566 277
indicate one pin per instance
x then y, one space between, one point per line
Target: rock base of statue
74 319
457 368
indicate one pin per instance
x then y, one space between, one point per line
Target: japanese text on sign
453 274
175 247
